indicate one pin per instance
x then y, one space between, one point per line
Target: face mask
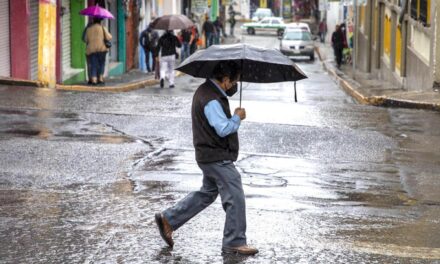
232 91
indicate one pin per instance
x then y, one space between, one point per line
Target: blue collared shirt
217 118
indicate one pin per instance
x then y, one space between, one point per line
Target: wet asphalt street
326 180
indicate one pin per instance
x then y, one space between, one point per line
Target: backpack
153 39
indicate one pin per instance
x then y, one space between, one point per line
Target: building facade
397 41
41 40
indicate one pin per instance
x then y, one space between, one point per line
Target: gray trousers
218 177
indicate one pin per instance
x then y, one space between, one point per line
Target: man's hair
226 69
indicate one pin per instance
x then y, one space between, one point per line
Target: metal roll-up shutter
5 58
66 57
33 30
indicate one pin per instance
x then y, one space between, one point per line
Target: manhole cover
263 181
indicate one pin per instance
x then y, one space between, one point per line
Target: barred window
420 10
387 36
414 9
424 12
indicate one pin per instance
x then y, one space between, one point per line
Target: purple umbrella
96 11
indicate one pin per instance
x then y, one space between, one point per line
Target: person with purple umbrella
95 37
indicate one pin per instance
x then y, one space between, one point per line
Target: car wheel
280 32
251 31
312 56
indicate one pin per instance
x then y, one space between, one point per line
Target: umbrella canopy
170 22
97 12
258 65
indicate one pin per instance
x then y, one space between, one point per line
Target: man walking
185 35
148 41
168 43
338 45
208 29
215 140
232 20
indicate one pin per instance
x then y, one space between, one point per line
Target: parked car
297 42
298 25
267 24
261 13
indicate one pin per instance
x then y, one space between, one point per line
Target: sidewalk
367 90
132 80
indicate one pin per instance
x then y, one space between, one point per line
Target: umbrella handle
241 83
294 86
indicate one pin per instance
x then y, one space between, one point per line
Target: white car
267 24
298 25
261 13
297 42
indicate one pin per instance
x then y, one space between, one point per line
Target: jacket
168 44
94 38
209 146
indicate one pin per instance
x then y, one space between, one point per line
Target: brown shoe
165 229
242 250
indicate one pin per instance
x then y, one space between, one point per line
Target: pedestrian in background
338 45
218 29
215 139
194 39
322 30
208 30
97 50
232 20
148 41
185 37
166 48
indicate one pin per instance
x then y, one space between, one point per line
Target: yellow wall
47 43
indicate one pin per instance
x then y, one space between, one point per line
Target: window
362 16
420 10
387 36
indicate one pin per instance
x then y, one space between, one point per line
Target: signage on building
287 8
199 6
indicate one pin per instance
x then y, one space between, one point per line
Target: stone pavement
367 90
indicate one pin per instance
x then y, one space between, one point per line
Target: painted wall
47 43
20 39
121 35
78 24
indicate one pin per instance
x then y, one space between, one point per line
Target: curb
114 89
86 88
389 102
20 82
118 88
347 87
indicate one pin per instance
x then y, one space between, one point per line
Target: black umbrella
170 22
258 65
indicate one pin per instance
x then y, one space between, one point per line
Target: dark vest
209 146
